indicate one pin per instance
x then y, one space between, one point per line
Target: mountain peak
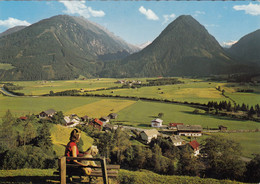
183 48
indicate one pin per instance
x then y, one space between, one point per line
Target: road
6 93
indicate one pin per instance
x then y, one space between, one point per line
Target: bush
26 157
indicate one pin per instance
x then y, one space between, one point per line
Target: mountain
12 30
183 48
60 47
247 49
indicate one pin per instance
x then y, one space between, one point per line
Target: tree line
24 144
224 105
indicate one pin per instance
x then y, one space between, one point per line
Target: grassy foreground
24 176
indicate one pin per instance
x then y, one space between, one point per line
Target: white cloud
197 13
79 7
228 44
168 18
150 15
252 9
12 22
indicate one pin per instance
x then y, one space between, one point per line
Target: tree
223 158
121 143
188 164
44 138
160 115
29 133
8 136
251 112
58 118
252 173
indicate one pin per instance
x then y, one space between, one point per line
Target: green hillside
24 176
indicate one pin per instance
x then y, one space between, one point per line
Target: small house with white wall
148 135
157 123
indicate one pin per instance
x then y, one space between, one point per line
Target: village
177 133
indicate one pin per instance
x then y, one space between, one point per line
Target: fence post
62 167
104 170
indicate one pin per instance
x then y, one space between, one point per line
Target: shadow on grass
221 117
29 179
143 125
153 116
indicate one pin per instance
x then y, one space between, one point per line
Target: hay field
103 107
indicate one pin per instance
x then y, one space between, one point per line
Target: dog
92 151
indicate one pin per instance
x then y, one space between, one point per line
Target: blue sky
140 21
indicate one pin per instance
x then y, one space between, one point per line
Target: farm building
174 125
96 123
85 118
156 123
189 130
195 147
47 114
147 135
104 119
112 115
222 128
176 140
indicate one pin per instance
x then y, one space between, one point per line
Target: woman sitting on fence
72 151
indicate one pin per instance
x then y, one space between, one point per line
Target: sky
138 22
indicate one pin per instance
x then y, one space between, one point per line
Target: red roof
175 124
98 121
194 144
23 118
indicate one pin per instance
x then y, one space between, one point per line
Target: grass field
44 87
40 176
198 91
60 137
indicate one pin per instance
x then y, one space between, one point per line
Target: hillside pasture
42 176
60 138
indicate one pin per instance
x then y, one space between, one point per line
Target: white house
156 123
147 135
195 146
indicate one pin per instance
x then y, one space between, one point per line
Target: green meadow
24 176
44 87
138 113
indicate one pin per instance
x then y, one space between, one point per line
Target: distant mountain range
65 47
61 47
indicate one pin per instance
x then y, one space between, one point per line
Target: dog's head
93 150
